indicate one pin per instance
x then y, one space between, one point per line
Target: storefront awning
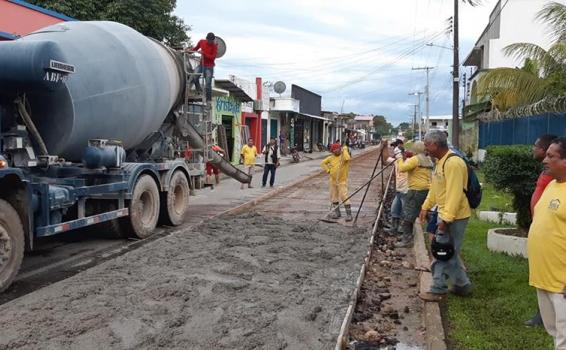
234 89
314 116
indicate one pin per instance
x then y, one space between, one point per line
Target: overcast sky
358 53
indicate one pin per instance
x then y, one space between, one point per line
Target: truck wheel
144 208
177 202
11 244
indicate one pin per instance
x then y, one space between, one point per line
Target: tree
543 73
408 134
404 126
150 17
381 125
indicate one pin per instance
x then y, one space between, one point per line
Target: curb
341 342
507 244
435 337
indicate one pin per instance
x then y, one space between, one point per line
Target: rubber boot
348 213
336 214
394 226
407 237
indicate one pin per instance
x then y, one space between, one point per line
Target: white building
439 122
511 21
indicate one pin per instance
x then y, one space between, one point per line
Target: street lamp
418 94
442 47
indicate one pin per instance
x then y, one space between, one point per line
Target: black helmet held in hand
442 251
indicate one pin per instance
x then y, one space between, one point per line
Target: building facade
511 21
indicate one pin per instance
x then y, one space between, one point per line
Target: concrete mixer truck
93 125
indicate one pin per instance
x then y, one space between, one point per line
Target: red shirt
209 52
542 181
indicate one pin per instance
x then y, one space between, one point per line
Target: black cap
210 36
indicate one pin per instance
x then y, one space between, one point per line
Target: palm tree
542 75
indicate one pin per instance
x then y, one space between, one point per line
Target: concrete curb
510 245
498 217
435 337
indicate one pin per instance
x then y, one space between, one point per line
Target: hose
31 126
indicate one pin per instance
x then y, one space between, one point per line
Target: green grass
493 199
492 318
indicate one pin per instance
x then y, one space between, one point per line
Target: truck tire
144 208
177 199
12 244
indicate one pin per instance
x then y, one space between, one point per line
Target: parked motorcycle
295 154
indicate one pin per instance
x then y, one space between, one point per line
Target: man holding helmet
449 180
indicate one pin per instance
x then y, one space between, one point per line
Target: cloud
360 52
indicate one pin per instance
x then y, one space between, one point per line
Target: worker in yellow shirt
248 156
338 166
419 170
449 180
547 246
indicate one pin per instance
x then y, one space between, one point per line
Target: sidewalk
305 157
228 193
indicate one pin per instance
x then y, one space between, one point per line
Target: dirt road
272 279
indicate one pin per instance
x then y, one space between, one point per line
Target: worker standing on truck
209 50
337 166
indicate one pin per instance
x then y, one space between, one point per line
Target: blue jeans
208 72
432 221
269 168
397 205
451 269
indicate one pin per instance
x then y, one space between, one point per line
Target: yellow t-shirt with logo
249 154
547 240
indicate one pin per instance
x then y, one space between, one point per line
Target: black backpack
473 193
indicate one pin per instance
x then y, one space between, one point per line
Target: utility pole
456 82
418 105
414 121
427 93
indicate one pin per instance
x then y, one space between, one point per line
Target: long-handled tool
379 159
356 191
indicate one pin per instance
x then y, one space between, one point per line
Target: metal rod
368 186
360 188
380 210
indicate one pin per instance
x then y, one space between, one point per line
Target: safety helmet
442 251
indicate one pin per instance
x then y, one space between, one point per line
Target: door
263 133
274 128
227 124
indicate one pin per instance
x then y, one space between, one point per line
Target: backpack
473 193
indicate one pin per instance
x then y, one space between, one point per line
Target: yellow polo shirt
447 191
419 174
249 154
547 240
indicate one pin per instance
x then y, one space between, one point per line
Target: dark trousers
269 168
